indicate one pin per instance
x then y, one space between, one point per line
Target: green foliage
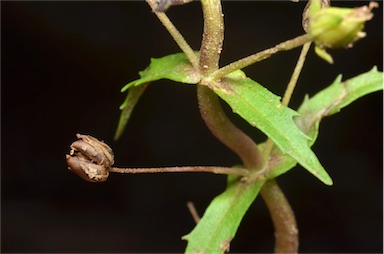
253 102
335 97
263 110
175 67
127 107
223 216
325 103
293 133
219 224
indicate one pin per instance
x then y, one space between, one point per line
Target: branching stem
234 138
216 120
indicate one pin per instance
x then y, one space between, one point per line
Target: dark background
63 64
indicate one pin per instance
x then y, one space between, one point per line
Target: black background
63 64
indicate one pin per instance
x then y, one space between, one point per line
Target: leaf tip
185 237
323 176
328 181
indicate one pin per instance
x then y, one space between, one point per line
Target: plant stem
284 46
230 135
286 233
176 35
195 169
213 36
295 75
209 105
193 211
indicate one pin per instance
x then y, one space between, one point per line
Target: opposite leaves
261 108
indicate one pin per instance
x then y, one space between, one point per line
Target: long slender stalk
295 75
244 62
176 35
195 169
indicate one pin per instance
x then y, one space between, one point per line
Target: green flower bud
335 27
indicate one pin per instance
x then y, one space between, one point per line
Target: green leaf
335 97
263 110
174 67
325 103
219 224
127 107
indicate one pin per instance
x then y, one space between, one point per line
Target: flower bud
339 27
90 158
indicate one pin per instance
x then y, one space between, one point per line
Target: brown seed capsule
87 170
90 158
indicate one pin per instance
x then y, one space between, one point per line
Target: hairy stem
284 46
209 105
213 36
283 218
195 169
176 35
230 135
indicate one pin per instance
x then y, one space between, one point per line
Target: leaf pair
261 108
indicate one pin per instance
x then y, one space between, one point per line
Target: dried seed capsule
93 149
90 158
87 170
